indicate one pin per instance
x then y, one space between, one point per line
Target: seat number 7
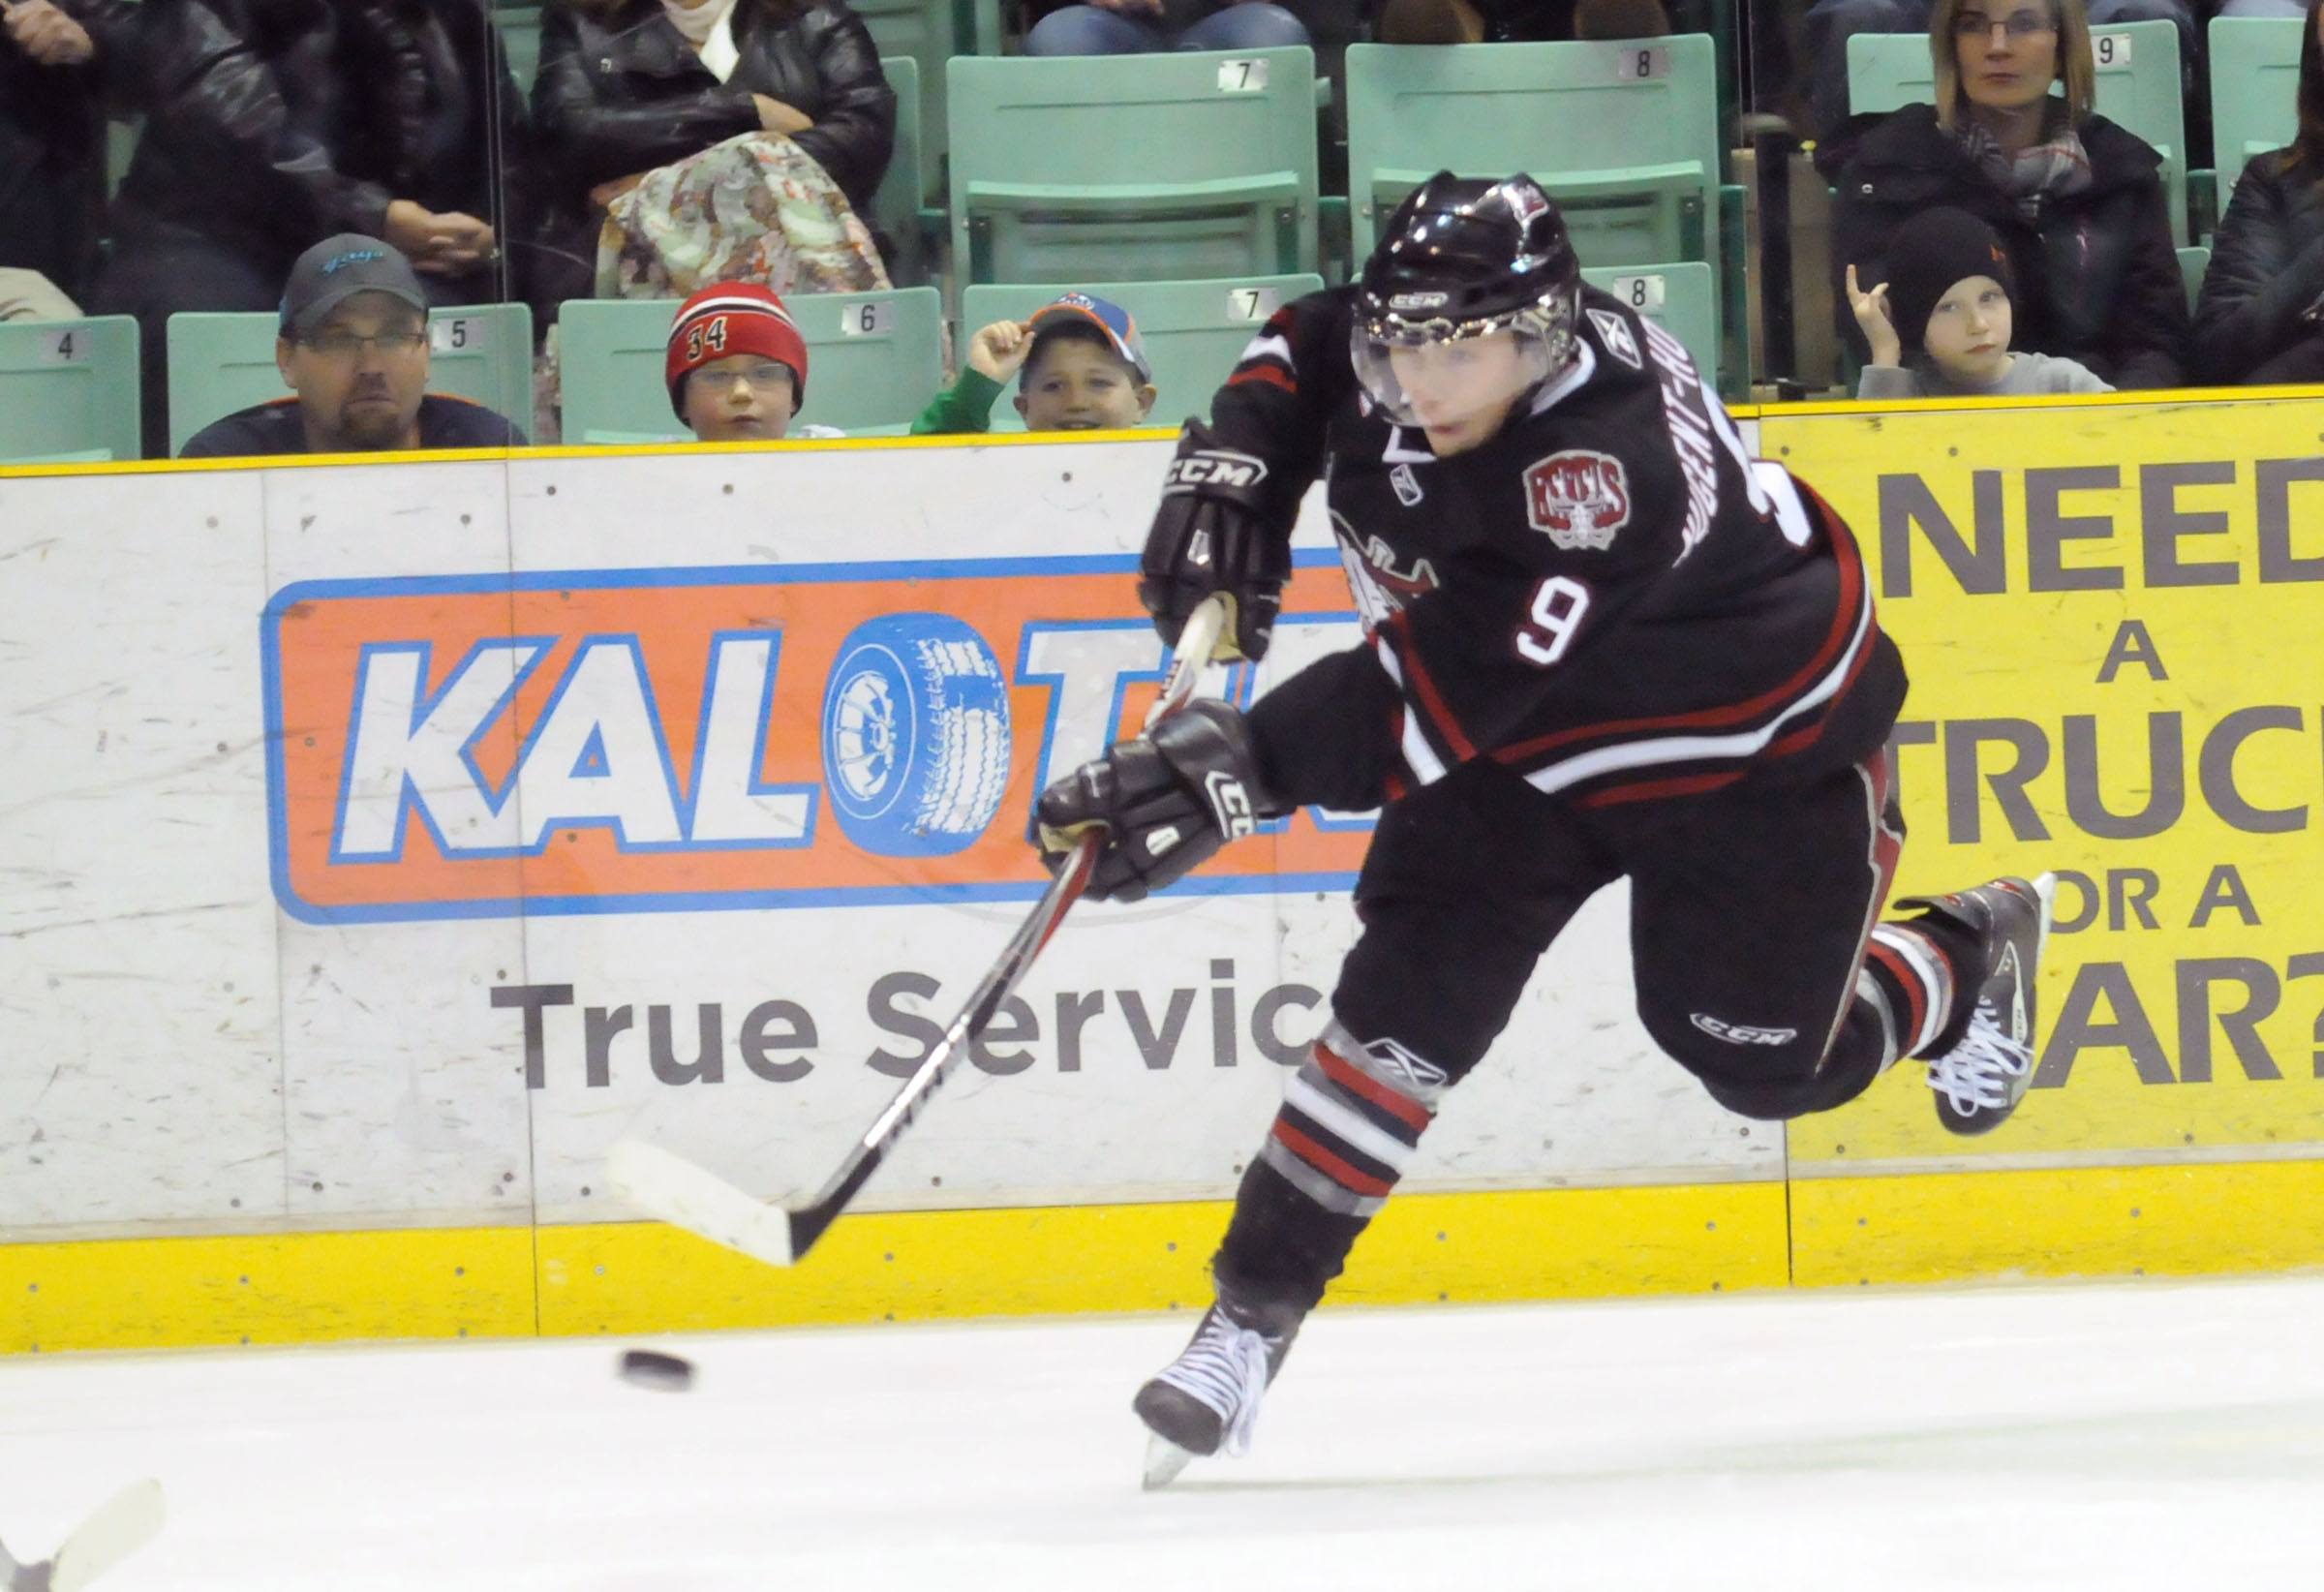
1558 605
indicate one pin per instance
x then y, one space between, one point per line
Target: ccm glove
1167 800
1213 533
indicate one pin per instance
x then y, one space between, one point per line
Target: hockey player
1600 642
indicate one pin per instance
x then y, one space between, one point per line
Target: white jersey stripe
1419 755
1272 346
1694 748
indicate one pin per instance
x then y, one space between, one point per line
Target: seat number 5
1558 605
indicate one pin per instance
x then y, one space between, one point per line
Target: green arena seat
1624 137
519 28
1681 298
895 207
929 33
1133 168
2254 91
68 391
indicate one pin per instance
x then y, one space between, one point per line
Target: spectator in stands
2261 315
1830 23
2078 202
1082 364
354 348
1528 21
1141 27
629 85
272 123
51 153
737 366
1939 328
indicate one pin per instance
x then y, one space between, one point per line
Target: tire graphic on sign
915 735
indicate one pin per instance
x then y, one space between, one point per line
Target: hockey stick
127 1523
682 1194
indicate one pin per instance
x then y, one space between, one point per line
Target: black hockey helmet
1463 251
1464 257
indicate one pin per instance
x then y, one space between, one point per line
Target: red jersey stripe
1265 373
1424 690
1648 790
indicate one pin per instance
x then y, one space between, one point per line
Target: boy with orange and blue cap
1084 369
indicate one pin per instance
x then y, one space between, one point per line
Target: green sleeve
964 407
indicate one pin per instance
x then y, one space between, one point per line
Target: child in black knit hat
1940 326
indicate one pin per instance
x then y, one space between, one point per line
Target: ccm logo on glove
1230 804
1214 466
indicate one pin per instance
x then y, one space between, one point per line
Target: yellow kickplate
266 1288
2059 1222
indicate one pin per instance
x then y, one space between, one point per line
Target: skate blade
1164 1459
127 1523
2046 887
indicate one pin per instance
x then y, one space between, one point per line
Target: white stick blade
127 1523
672 1189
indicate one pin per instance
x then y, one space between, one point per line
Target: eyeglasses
763 378
2018 24
342 345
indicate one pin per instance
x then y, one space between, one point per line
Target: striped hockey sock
1910 980
1352 1116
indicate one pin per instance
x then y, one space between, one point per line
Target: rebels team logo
1578 499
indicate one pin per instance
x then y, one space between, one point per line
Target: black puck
652 1369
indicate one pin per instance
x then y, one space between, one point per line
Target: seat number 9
1558 605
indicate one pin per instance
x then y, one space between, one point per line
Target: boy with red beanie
737 365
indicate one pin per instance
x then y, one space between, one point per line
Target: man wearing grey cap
354 348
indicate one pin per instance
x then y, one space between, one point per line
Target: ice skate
1208 1398
1983 1076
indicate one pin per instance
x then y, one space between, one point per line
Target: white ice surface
2103 1437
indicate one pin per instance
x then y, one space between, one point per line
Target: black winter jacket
271 124
51 159
2097 277
2267 270
624 93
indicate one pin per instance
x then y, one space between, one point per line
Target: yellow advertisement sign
2114 618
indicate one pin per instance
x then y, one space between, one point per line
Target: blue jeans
1830 23
1089 30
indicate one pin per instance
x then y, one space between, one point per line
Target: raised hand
998 351
1872 313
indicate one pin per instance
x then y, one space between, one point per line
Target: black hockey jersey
1608 597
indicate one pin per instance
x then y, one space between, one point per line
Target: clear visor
1439 376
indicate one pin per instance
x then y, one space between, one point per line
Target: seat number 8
1558 605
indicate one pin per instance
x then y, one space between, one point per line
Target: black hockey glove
1168 801
1213 533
